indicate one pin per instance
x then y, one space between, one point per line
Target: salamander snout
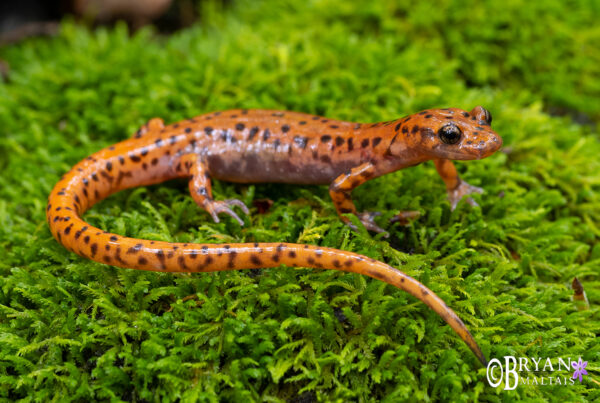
456 134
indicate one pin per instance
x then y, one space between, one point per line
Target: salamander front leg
340 190
456 187
201 191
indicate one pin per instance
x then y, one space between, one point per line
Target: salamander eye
450 134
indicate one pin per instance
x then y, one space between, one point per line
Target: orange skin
248 146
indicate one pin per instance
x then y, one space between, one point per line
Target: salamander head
453 133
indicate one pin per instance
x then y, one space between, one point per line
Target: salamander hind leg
201 191
455 186
340 190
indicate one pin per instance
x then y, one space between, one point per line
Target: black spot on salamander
427 132
109 166
334 126
158 143
339 141
181 262
253 132
172 140
364 143
424 292
94 248
302 122
465 114
325 138
275 258
324 120
118 256
336 263
134 158
188 130
285 128
68 229
232 256
266 134
415 129
276 143
113 238
121 159
240 127
154 161
255 260
398 126
292 254
193 254
134 249
376 141
348 263
350 144
142 260
95 177
106 258
106 176
86 239
85 182
144 152
405 130
208 130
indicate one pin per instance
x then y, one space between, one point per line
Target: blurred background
547 47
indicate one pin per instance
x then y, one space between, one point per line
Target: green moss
85 331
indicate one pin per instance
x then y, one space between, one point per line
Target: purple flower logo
579 368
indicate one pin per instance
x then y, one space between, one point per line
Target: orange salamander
249 146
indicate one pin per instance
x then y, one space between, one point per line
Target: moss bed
72 329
